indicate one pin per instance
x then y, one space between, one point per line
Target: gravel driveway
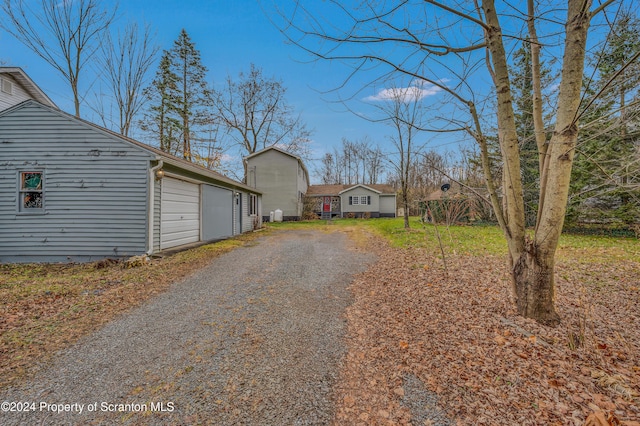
254 338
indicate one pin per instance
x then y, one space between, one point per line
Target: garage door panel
179 240
217 211
181 209
180 213
187 227
180 235
185 217
180 198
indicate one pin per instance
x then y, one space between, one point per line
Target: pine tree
179 97
603 187
523 109
192 94
160 119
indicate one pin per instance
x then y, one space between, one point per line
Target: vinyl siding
247 219
95 190
360 208
388 204
17 95
237 211
302 185
276 176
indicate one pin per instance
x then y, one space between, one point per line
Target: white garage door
180 213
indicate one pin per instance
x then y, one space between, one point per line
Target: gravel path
255 338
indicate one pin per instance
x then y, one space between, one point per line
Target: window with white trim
364 199
253 204
355 200
30 192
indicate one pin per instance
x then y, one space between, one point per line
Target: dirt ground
479 363
422 347
255 337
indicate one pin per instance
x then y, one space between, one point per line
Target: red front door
326 204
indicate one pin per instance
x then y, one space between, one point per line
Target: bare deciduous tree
460 47
403 111
256 115
125 63
66 34
354 162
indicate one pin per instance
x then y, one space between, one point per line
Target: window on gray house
30 193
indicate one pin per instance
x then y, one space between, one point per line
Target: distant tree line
353 162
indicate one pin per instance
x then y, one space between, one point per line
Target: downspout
152 196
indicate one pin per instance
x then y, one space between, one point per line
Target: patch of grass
598 249
462 239
477 239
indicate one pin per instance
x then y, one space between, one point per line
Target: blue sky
230 34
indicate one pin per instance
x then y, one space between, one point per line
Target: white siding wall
247 224
248 220
303 185
17 95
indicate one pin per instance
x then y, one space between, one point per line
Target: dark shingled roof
318 190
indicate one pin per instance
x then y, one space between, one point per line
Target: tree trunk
534 288
404 195
406 215
532 262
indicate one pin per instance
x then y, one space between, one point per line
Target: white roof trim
25 81
359 185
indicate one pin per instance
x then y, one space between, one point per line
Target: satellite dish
445 187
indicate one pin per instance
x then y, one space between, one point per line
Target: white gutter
152 192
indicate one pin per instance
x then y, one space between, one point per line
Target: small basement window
31 195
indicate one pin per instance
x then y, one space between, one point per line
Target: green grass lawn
479 240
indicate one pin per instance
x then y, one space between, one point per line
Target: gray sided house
353 200
281 177
73 191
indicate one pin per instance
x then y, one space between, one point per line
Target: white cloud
226 158
415 92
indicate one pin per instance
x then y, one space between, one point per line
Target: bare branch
602 7
125 63
65 34
458 13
